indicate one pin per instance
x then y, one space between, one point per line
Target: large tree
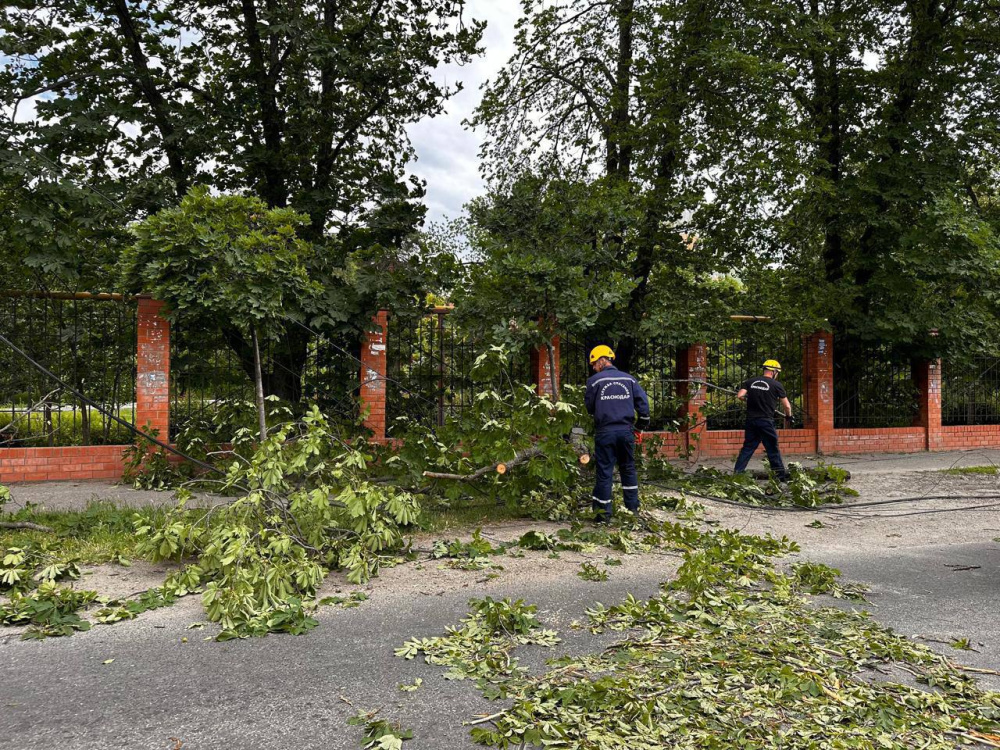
302 103
619 92
836 155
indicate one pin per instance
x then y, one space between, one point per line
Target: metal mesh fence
734 360
89 344
872 386
429 368
209 374
654 364
970 392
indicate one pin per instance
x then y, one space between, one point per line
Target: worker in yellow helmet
762 395
614 398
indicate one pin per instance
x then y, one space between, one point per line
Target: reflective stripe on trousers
615 448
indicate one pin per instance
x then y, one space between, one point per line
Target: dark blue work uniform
613 398
763 395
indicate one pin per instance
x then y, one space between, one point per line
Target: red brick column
540 371
692 364
152 384
818 382
373 372
927 379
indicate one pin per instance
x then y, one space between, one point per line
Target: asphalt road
276 692
931 576
288 692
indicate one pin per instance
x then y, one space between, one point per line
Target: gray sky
448 153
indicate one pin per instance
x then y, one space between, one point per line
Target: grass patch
469 516
31 431
990 471
102 532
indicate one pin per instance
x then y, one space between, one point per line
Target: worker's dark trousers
615 448
761 431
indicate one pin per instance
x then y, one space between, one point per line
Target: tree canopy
303 104
836 158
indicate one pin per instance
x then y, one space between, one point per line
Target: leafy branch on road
733 653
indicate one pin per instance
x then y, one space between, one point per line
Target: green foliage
147 466
819 162
157 598
975 470
456 549
558 239
135 104
306 506
807 487
50 610
67 428
505 419
817 578
480 648
590 572
221 258
730 655
22 568
379 733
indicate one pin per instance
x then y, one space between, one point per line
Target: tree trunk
553 375
259 386
284 377
619 147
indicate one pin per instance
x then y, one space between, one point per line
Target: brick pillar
373 372
927 379
152 383
540 373
692 365
818 383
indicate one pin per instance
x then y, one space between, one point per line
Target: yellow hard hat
601 351
773 364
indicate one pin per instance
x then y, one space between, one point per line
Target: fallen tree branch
500 467
24 525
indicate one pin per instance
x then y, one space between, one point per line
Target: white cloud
447 152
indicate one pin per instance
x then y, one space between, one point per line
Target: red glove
639 437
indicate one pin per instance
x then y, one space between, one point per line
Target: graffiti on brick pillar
374 381
152 380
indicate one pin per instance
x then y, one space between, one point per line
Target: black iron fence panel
732 361
970 392
90 344
206 376
429 369
574 361
873 386
212 378
654 364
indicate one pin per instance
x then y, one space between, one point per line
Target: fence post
152 382
692 365
373 372
927 379
819 387
541 373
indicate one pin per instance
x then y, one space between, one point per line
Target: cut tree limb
502 467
